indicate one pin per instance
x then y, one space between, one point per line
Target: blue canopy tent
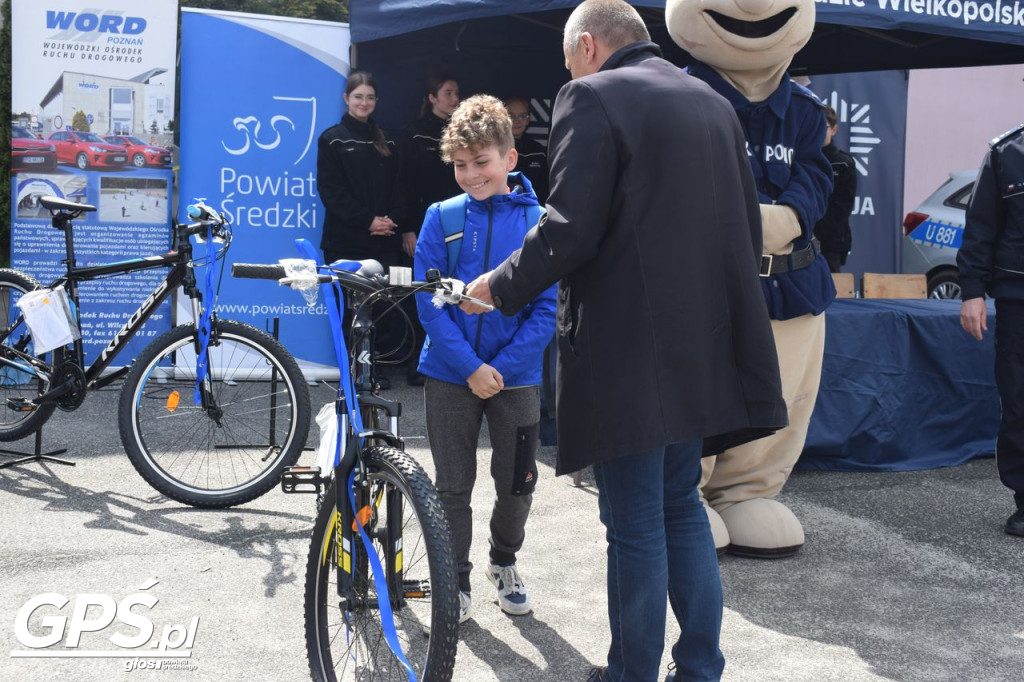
515 48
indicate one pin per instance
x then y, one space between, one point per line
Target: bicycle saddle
57 204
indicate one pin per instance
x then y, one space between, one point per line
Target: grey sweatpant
454 417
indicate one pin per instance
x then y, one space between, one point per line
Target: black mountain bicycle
381 596
210 412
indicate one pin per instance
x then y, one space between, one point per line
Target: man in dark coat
665 348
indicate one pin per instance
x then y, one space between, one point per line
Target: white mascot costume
744 48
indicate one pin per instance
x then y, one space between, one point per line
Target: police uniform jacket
357 183
425 177
533 163
784 136
991 258
833 230
662 331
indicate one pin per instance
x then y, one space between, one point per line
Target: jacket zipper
487 267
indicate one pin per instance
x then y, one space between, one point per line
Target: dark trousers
659 549
1010 382
454 417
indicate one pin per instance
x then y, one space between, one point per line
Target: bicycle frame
181 274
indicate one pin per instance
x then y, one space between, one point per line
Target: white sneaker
512 597
465 610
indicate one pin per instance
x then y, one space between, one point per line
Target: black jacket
833 230
425 177
991 258
533 163
654 230
356 183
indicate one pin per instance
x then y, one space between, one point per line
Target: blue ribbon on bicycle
332 297
203 332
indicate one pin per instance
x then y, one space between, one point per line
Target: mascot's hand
779 227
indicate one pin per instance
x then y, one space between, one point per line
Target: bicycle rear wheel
345 642
18 386
235 448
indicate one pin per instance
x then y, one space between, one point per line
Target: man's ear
588 46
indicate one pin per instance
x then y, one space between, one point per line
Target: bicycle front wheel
19 386
231 449
344 636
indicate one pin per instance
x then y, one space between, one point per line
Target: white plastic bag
301 274
48 316
327 421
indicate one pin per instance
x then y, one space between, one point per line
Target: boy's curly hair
478 122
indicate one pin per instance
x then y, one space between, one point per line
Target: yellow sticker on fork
172 401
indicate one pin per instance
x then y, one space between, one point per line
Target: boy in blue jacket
487 364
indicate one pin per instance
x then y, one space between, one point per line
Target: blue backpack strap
453 224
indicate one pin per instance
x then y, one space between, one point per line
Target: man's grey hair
613 22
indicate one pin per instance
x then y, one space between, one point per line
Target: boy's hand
409 243
485 382
479 289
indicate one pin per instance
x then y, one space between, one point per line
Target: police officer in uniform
991 261
833 230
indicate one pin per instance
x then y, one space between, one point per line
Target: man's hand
479 289
409 243
485 382
973 316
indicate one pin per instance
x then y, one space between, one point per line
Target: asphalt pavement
904 576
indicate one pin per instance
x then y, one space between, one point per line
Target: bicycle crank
71 377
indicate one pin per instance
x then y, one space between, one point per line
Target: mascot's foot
762 529
718 529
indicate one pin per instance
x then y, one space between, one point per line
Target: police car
933 232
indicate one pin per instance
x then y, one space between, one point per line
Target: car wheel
139 161
82 160
944 284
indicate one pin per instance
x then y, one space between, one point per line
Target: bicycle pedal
301 480
21 405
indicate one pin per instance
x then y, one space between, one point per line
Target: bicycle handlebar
350 280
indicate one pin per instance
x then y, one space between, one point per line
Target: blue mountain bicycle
381 595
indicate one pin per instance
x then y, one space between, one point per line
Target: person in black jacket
665 346
425 178
991 260
833 230
357 179
533 158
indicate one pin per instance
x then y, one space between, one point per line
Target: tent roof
883 34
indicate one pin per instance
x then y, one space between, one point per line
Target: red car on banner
87 150
28 152
139 153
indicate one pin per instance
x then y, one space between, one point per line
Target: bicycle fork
353 566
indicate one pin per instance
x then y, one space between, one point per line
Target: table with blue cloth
903 387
